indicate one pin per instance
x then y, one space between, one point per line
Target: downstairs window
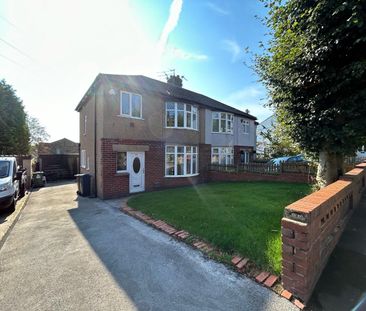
181 161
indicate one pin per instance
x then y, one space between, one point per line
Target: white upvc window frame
191 151
85 124
129 115
246 157
193 114
83 158
225 155
246 126
125 170
226 117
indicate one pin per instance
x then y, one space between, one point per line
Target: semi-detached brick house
140 134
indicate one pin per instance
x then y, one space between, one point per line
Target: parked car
290 159
278 161
11 183
297 159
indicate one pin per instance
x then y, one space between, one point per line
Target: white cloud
214 7
186 55
252 98
172 22
233 48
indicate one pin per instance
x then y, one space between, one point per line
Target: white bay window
181 160
179 115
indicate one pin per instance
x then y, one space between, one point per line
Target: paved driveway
69 253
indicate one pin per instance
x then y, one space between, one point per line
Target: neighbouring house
263 144
58 159
140 134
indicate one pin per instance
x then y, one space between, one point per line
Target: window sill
180 176
181 128
128 117
222 133
121 174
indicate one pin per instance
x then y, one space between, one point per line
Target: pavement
342 285
70 253
8 219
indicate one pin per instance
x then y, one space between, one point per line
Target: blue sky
54 49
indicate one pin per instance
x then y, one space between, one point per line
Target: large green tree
279 142
37 134
14 132
314 67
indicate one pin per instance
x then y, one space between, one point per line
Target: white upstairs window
179 115
222 122
245 124
131 105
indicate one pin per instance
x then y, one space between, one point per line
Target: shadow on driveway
158 273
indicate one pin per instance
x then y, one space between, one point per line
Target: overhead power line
15 48
10 60
8 22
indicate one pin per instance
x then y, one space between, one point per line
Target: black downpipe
78 164
95 142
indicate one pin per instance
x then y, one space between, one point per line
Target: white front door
136 168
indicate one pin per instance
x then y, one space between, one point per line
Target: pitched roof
61 146
139 82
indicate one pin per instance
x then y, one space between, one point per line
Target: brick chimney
175 80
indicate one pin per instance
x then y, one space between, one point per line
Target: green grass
242 217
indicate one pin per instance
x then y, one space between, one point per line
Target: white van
9 183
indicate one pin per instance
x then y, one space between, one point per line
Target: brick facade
102 125
238 149
117 184
311 228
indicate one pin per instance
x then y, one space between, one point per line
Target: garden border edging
238 262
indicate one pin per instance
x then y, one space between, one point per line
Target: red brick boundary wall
311 228
246 176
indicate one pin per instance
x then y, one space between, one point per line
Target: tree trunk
330 168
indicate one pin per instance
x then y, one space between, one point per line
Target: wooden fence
267 168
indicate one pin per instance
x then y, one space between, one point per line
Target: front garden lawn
237 217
